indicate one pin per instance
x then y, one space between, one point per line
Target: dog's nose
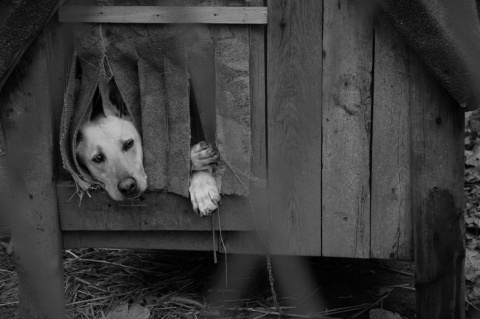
127 186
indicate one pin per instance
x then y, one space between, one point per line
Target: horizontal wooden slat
244 243
157 14
157 211
180 240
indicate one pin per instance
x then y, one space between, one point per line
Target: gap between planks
158 14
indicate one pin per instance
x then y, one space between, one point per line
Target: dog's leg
203 188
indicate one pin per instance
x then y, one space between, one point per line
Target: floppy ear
112 101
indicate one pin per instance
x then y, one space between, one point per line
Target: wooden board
27 119
243 243
294 117
437 135
4 187
258 120
258 103
157 14
391 221
156 211
140 240
346 102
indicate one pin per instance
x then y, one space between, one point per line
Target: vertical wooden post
437 131
28 123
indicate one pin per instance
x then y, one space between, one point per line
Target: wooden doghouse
357 151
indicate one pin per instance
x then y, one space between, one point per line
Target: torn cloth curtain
155 68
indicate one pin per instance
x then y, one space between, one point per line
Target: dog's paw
202 156
204 193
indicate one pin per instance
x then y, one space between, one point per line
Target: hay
100 283
96 281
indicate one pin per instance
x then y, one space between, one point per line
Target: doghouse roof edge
445 34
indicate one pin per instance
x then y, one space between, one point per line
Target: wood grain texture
258 121
157 211
437 155
258 102
294 116
245 242
4 185
27 119
391 221
177 240
346 101
157 14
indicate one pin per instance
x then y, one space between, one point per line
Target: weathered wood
20 30
157 211
242 243
140 240
294 115
391 221
258 183
27 119
4 187
346 101
258 103
437 153
157 14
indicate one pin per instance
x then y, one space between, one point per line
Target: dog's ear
112 100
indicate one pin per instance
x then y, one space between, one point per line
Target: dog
109 147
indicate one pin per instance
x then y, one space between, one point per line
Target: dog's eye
98 159
128 145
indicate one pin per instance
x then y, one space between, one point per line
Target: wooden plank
391 221
294 115
36 233
243 243
201 241
4 176
258 103
156 211
157 14
347 67
247 242
437 131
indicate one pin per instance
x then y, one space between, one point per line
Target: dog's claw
203 156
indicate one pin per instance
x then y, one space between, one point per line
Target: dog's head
110 148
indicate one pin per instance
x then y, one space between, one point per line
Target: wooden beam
28 125
157 14
177 240
156 211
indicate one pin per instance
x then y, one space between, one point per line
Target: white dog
110 148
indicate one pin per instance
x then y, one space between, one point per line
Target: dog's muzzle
128 186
